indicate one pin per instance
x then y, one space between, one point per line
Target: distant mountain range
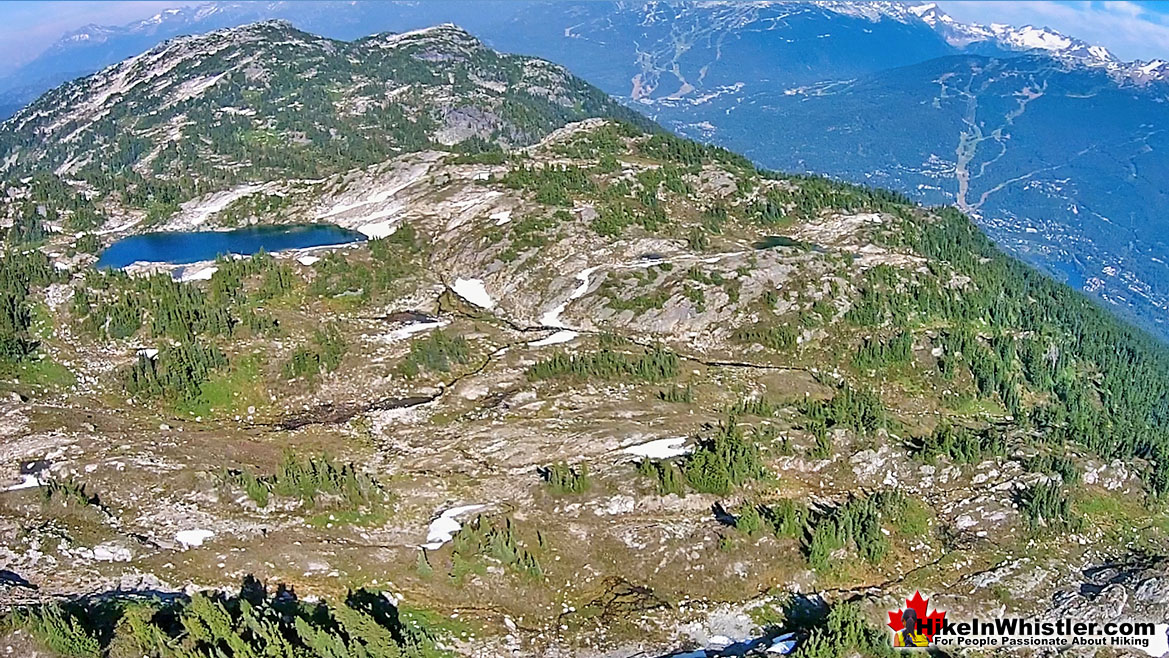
1053 144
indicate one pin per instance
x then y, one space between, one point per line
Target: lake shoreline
203 269
173 250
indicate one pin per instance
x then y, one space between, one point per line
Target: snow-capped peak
1152 67
921 10
1026 38
1030 37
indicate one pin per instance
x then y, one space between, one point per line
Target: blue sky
1132 30
28 27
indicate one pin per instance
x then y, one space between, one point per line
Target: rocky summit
581 387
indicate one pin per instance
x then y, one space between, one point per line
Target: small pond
777 241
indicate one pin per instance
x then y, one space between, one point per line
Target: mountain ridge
157 110
590 388
958 34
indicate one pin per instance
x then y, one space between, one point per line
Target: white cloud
1128 29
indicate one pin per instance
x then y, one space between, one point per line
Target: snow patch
28 481
411 329
473 291
1152 67
198 274
660 448
443 528
378 229
552 317
192 538
308 260
562 336
783 645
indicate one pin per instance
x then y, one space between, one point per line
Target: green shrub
565 479
436 353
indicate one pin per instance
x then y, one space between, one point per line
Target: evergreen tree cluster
252 624
855 524
726 460
310 480
785 518
60 629
778 337
1048 505
877 354
529 233
436 353
20 272
609 139
659 364
689 153
68 492
615 215
858 410
45 198
393 258
681 394
487 537
994 365
565 479
553 185
324 354
253 206
27 228
176 373
844 632
1056 465
962 444
1107 382
113 304
807 196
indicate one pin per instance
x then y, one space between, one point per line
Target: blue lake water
192 247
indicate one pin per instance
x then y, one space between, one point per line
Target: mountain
720 70
912 32
250 102
589 388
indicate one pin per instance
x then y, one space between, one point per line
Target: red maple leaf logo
930 623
